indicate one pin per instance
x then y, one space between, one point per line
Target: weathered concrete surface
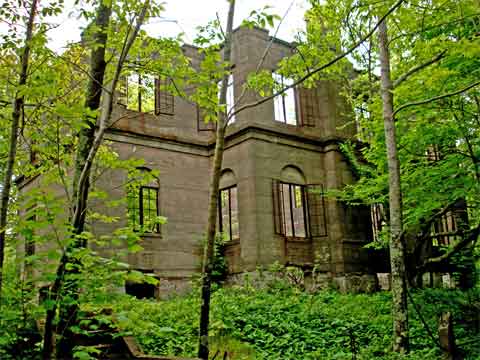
258 149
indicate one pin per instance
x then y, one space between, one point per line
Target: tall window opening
379 220
444 231
228 213
145 93
298 209
139 92
285 105
294 210
230 98
164 99
29 241
143 208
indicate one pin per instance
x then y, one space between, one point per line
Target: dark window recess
308 106
140 290
379 220
277 207
164 99
201 124
29 240
43 294
290 210
228 213
142 206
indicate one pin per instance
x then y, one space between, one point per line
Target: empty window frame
164 99
228 213
142 205
444 231
294 210
138 92
299 210
285 105
230 99
379 220
201 124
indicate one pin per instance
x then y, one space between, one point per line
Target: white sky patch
185 16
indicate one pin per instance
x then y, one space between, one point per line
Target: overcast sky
186 15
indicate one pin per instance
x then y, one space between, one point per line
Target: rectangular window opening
294 212
228 213
164 99
137 92
142 205
285 105
230 99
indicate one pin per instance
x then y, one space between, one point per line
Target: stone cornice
236 136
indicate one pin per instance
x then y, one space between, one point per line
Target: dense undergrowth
279 321
285 323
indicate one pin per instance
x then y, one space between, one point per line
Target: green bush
286 323
19 338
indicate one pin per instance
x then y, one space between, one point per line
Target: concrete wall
183 197
257 150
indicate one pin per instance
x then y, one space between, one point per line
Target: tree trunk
203 349
18 108
86 138
397 247
86 157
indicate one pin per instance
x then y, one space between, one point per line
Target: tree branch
471 238
417 68
106 113
317 70
435 98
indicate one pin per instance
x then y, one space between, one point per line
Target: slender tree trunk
87 155
18 108
86 138
94 93
203 349
397 246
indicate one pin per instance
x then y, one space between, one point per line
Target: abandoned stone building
279 158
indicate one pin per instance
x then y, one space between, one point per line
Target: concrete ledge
356 283
312 282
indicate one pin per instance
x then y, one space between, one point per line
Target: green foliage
419 32
261 18
85 353
18 335
282 322
220 267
